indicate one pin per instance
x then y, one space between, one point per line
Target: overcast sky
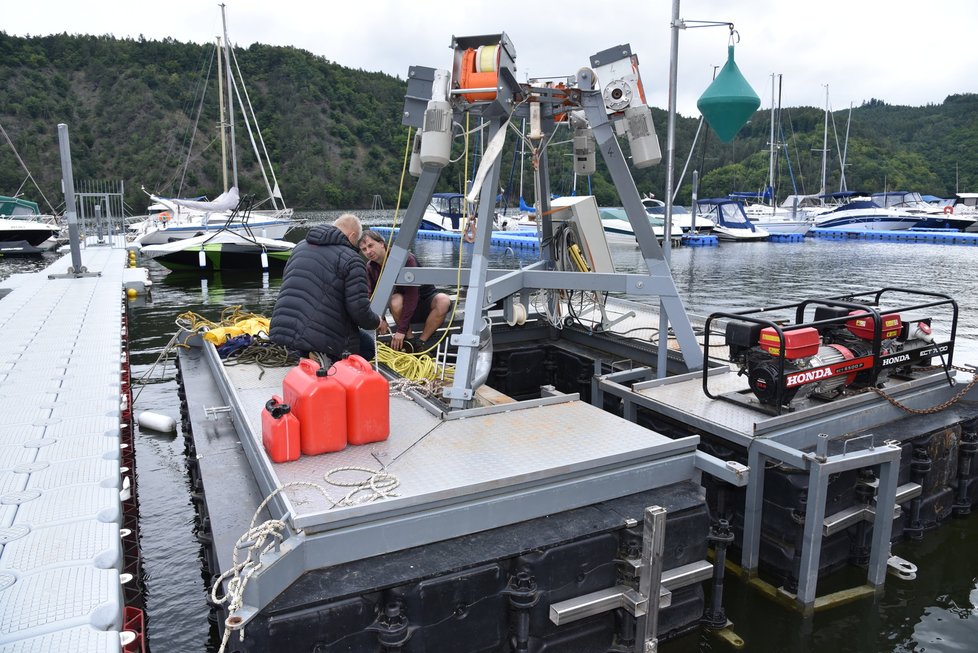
904 52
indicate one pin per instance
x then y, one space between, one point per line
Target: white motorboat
23 230
932 216
617 228
730 223
855 211
778 220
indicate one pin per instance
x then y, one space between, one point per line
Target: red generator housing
798 343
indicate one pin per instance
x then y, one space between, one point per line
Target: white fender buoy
156 421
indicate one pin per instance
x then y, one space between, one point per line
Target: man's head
372 246
350 225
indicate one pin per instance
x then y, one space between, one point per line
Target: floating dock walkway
917 235
68 519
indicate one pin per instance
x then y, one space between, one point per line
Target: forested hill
335 135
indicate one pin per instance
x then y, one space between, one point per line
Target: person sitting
325 296
409 304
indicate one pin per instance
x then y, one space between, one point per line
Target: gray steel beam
397 255
650 578
467 341
883 521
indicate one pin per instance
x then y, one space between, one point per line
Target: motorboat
932 216
23 230
730 223
618 228
856 210
682 218
777 219
446 212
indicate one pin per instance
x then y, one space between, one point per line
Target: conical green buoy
729 101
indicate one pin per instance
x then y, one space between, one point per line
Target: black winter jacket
324 295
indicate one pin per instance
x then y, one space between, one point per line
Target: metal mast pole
221 125
227 66
825 141
671 126
770 181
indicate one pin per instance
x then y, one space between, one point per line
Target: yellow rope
411 366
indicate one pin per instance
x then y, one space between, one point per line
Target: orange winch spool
480 69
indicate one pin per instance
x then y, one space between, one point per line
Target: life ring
948 210
469 234
164 217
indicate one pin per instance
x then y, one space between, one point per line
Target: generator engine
823 360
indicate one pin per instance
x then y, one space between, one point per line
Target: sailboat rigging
173 218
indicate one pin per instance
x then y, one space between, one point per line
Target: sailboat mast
825 141
770 181
227 67
221 125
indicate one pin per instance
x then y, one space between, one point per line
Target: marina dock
68 562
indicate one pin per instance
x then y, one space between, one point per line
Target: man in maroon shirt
408 304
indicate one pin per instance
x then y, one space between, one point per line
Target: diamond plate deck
442 462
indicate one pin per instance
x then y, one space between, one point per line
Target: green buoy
729 101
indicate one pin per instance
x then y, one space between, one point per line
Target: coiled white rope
269 535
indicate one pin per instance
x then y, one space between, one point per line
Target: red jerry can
279 431
367 400
319 401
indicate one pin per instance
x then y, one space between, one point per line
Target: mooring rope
262 538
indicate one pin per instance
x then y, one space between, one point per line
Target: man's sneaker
419 346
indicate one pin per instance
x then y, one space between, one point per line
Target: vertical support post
99 230
753 510
650 578
68 184
467 341
811 550
883 520
671 127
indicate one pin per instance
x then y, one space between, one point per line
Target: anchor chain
938 408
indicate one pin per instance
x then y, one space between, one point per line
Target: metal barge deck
551 493
67 511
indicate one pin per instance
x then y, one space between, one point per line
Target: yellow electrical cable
411 366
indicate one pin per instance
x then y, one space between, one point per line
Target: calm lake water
936 613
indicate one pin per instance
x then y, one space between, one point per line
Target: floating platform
513 515
915 235
67 508
700 241
786 238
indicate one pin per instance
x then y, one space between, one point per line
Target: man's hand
397 341
383 329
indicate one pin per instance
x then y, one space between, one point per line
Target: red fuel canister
367 400
319 401
279 431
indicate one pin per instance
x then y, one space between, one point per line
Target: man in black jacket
324 296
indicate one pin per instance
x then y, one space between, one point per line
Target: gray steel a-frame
485 286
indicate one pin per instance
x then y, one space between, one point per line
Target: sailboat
224 249
175 219
766 214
